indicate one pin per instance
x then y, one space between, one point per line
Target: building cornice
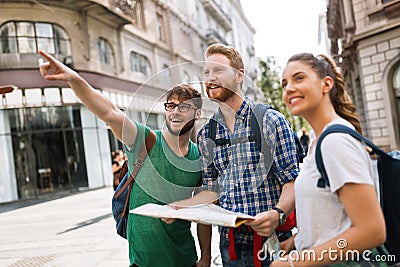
373 31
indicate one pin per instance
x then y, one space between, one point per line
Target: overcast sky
284 27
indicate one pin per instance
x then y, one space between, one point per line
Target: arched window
105 52
140 63
29 37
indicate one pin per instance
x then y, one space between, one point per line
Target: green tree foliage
271 87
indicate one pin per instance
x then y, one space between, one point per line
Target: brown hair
185 92
324 66
231 53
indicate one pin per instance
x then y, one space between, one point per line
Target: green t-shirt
163 178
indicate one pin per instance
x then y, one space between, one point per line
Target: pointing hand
54 70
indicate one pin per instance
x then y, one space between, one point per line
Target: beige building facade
131 51
365 37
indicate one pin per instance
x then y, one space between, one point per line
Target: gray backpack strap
264 146
259 111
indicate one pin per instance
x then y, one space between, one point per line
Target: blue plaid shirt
248 181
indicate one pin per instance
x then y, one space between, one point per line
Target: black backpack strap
301 153
256 124
264 146
257 119
338 128
212 130
212 135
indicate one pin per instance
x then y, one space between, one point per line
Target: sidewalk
76 230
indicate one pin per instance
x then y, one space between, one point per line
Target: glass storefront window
48 150
44 118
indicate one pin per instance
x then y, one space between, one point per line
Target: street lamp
5 89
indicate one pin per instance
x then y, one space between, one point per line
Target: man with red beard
170 172
235 174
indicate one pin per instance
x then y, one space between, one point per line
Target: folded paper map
206 214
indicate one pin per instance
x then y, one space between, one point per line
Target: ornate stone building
365 38
132 51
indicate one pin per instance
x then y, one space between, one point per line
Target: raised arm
123 128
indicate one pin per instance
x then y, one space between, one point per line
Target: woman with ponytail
339 222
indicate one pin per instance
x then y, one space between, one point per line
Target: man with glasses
170 172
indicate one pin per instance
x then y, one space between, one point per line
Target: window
160 28
140 63
29 37
105 52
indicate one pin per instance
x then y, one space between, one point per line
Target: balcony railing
126 7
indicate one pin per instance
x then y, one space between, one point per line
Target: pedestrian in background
117 162
304 140
171 166
345 216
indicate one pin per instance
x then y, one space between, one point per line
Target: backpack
257 115
389 185
258 112
120 200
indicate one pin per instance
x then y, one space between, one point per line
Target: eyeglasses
182 107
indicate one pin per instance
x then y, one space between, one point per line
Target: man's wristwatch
282 215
